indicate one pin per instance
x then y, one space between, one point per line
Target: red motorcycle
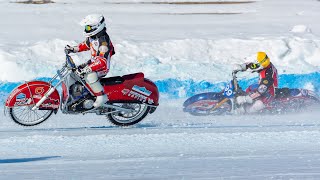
131 98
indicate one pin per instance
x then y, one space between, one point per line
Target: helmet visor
254 66
89 28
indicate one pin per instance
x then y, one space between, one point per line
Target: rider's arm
264 84
100 62
245 66
240 67
84 46
251 66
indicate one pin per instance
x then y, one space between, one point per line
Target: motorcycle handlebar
235 81
66 51
234 73
69 61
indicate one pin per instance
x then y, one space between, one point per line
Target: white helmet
93 24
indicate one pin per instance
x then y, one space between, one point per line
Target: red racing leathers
101 51
268 81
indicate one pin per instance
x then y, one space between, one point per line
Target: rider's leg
255 107
100 67
93 81
240 110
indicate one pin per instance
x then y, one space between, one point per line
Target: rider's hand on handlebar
239 67
82 71
78 72
69 49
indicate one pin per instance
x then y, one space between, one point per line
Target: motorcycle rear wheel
139 112
25 116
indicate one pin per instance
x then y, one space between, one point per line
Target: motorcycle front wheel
204 108
25 116
123 118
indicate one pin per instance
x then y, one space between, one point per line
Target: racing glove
244 99
69 49
240 67
82 71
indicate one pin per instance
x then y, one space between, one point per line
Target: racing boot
101 99
256 107
240 110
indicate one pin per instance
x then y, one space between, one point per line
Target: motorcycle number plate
229 90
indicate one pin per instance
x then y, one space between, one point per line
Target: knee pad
256 106
91 78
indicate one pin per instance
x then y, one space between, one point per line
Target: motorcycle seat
111 81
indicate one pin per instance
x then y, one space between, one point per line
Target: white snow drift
196 59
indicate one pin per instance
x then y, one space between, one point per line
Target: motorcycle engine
82 105
88 104
84 101
77 90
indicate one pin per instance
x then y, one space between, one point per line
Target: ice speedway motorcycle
220 103
131 98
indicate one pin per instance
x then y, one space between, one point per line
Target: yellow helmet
263 59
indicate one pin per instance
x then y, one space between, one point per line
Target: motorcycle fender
30 93
134 88
203 98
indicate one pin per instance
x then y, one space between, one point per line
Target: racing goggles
254 66
88 28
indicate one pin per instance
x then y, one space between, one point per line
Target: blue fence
174 88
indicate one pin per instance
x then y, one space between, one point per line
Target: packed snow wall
180 68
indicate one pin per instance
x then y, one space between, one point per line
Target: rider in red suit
100 45
257 98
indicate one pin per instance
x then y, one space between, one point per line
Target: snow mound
196 59
33 1
180 68
301 29
29 61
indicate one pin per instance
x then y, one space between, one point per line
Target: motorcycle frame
235 84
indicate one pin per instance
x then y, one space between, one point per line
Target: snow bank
195 59
180 67
301 29
29 61
163 1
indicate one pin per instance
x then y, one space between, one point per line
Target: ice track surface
168 144
163 41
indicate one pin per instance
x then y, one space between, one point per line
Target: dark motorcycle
219 103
